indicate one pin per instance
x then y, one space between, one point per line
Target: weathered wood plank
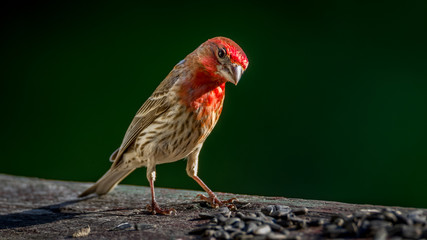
32 208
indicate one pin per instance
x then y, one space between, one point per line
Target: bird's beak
236 72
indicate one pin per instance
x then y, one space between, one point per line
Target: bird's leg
155 208
212 198
192 166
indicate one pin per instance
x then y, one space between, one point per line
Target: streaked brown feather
153 108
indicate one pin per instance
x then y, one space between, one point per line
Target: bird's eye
222 52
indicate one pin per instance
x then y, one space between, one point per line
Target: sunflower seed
300 211
232 221
276 236
262 230
412 232
250 227
381 234
268 210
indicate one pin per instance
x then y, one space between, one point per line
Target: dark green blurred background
333 105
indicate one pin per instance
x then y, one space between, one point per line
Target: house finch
177 118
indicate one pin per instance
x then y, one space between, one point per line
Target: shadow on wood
36 216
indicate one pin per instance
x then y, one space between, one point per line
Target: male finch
177 118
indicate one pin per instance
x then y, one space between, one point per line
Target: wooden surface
32 208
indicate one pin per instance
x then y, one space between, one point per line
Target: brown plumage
176 119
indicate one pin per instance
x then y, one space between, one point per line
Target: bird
174 122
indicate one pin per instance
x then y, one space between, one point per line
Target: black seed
225 235
232 221
260 214
250 218
330 227
274 226
334 217
316 222
417 217
404 220
221 218
389 216
224 210
285 223
229 228
262 230
122 226
268 210
297 219
302 225
276 236
413 232
300 211
350 227
424 235
239 225
396 230
276 222
236 234
376 216
417 212
297 237
377 224
250 227
268 219
209 233
221 234
339 221
245 237
381 234
240 215
281 213
282 207
337 232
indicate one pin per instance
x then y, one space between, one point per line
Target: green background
333 105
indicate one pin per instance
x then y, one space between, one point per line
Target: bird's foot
154 208
216 203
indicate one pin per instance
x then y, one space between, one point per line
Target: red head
212 64
223 59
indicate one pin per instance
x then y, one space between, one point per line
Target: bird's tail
107 182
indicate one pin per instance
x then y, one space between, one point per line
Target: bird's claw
216 203
212 200
155 209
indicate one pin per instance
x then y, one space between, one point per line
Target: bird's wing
156 105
